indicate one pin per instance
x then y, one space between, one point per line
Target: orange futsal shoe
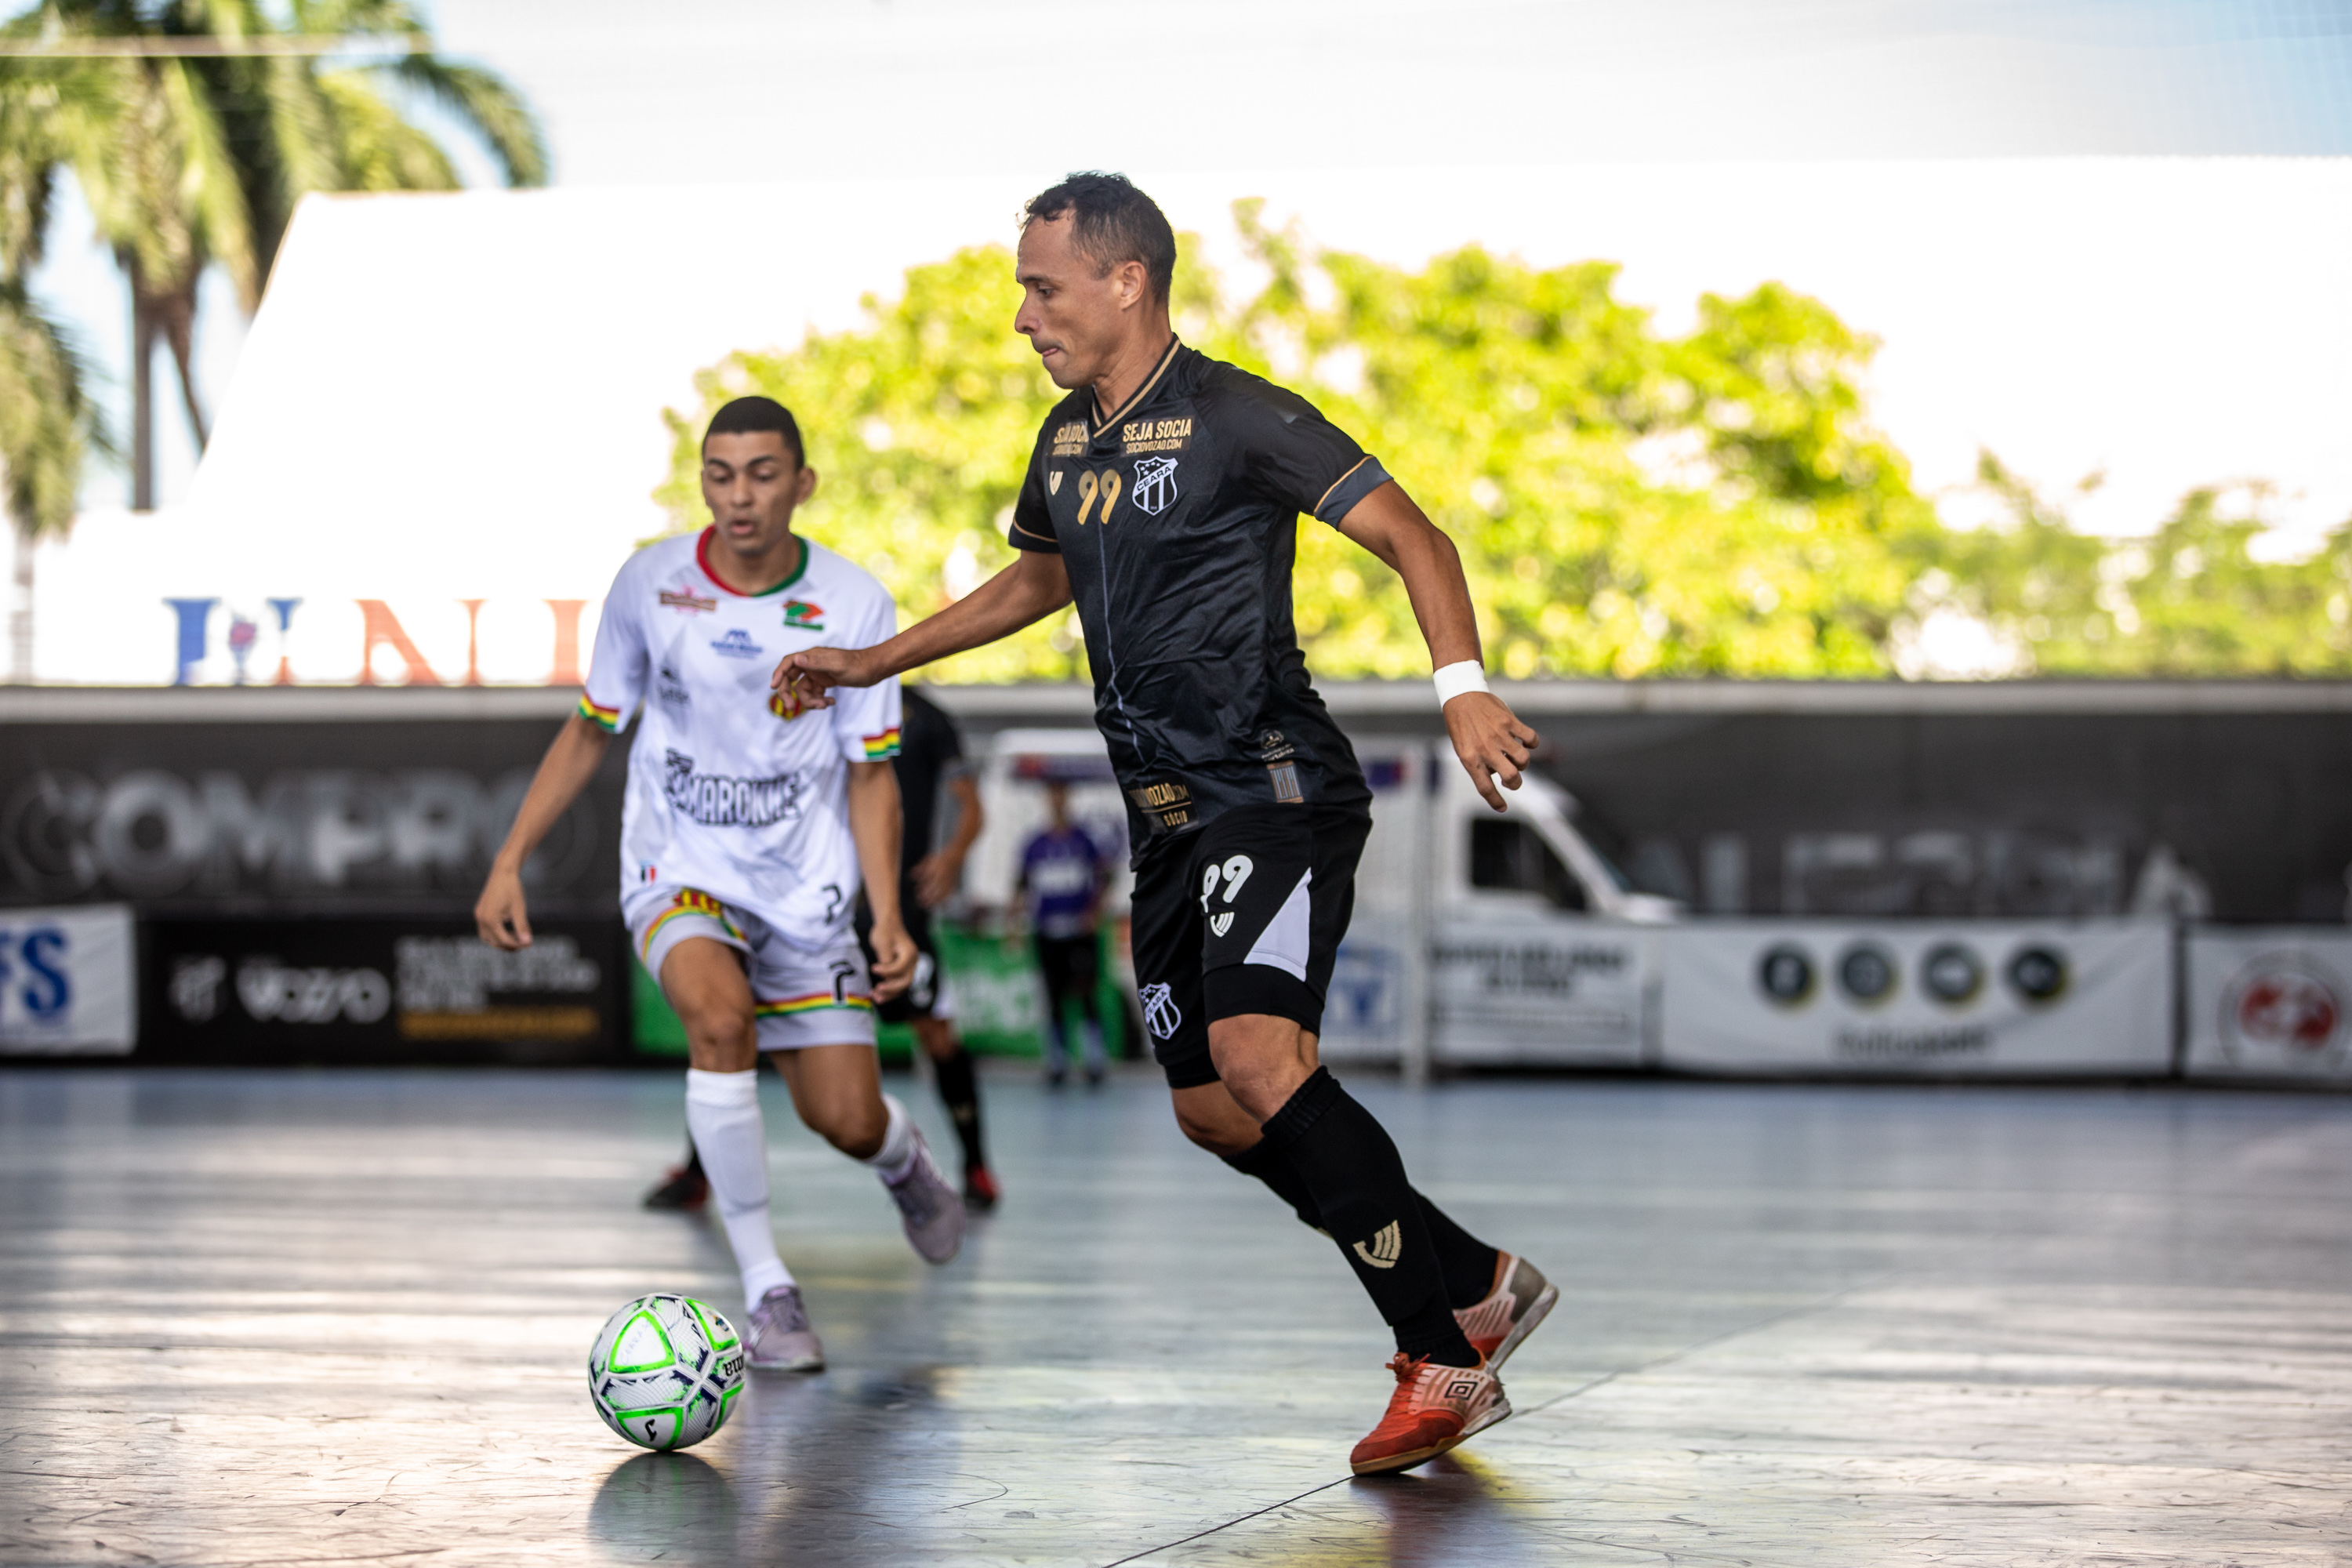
1433 1408
1521 1299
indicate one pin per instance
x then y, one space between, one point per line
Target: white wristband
1456 678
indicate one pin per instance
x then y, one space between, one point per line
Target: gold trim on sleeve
1317 508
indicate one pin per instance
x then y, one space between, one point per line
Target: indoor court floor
341 1317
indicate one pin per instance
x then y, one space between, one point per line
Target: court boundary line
1787 1315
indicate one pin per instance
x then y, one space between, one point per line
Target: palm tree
47 422
194 127
46 426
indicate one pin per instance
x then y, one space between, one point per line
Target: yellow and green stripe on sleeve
605 719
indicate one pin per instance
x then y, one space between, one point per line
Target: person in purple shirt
1064 873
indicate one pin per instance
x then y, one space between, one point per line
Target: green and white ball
665 1371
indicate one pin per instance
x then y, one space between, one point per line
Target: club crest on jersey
737 644
1161 1015
1054 483
787 705
1155 484
684 599
799 615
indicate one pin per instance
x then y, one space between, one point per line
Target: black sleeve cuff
1021 538
1348 489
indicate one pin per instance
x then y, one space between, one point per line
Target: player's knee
720 1038
937 1036
855 1129
1219 1135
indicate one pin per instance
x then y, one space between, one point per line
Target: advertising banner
379 991
361 816
1992 997
65 982
1537 990
2269 1004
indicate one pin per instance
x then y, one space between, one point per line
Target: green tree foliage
919 426
193 141
47 424
1626 502
2194 598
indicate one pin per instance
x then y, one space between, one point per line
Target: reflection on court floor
330 1317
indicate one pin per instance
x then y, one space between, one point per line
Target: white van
1477 939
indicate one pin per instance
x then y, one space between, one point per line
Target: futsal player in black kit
1162 497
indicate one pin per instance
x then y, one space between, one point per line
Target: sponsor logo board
377 990
2272 1003
1990 997
66 981
1537 990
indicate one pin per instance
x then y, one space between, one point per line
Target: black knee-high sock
960 1090
1467 1263
1266 1162
1356 1178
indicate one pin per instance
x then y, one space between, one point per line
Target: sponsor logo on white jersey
720 801
737 644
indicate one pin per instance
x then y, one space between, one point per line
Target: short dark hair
1111 223
747 414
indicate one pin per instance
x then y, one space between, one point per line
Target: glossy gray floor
314 1318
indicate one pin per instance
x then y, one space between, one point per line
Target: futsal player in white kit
749 829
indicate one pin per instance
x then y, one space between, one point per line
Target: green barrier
654 1028
1000 1004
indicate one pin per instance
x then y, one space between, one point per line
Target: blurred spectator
1064 875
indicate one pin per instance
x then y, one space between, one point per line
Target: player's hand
936 876
1491 741
894 958
809 678
500 918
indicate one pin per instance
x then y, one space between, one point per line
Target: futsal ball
665 1371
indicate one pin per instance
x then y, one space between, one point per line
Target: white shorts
798 997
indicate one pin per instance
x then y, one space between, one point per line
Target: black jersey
930 751
1177 517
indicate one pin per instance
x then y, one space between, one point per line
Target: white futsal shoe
932 1210
781 1339
1521 1299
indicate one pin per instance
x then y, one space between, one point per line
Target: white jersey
732 791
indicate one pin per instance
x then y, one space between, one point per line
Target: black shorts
1072 968
919 998
1245 916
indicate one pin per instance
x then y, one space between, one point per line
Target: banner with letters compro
67 981
1990 997
2271 1003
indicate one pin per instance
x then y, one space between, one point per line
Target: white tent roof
450 397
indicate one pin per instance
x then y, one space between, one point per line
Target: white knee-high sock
897 1155
722 1112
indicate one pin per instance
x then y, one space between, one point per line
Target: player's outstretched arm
500 915
1033 587
1488 736
876 826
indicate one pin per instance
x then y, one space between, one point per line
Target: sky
1315 102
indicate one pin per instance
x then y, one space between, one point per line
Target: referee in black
1163 497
